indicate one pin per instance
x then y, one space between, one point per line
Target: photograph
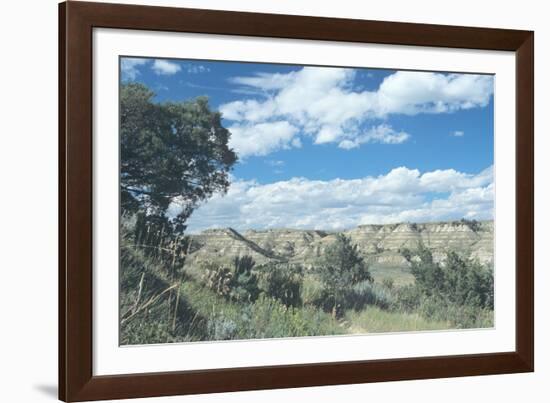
262 200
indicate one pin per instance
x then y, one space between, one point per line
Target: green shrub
147 332
221 328
239 283
466 282
313 292
265 318
461 316
244 284
458 290
367 293
459 281
341 268
407 298
283 282
270 318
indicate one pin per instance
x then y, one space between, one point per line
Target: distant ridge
378 243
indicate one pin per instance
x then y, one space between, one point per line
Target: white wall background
28 179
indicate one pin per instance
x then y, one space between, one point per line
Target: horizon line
343 229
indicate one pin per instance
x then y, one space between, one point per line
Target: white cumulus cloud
262 138
403 194
378 134
129 67
411 92
165 67
321 102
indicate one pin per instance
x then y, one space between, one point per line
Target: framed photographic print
252 201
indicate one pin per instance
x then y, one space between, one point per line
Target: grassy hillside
201 314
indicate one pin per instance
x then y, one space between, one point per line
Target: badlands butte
380 245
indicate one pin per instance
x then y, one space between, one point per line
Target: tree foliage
474 225
341 268
459 281
171 154
245 281
283 282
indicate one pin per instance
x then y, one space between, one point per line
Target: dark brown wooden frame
76 22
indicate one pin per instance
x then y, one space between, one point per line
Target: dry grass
398 275
375 320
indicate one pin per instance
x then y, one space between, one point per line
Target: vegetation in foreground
162 301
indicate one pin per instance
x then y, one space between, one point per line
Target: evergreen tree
171 154
341 268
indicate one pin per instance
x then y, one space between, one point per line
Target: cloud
402 194
249 110
196 68
129 67
323 103
378 134
410 92
262 138
275 163
277 166
457 133
266 81
164 67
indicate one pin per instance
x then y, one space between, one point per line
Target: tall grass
148 313
373 319
265 318
203 315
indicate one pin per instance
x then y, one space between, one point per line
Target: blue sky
331 148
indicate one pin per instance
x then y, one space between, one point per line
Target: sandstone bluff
379 244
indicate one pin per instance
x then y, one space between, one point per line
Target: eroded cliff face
380 244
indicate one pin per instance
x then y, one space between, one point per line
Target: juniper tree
341 268
172 154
